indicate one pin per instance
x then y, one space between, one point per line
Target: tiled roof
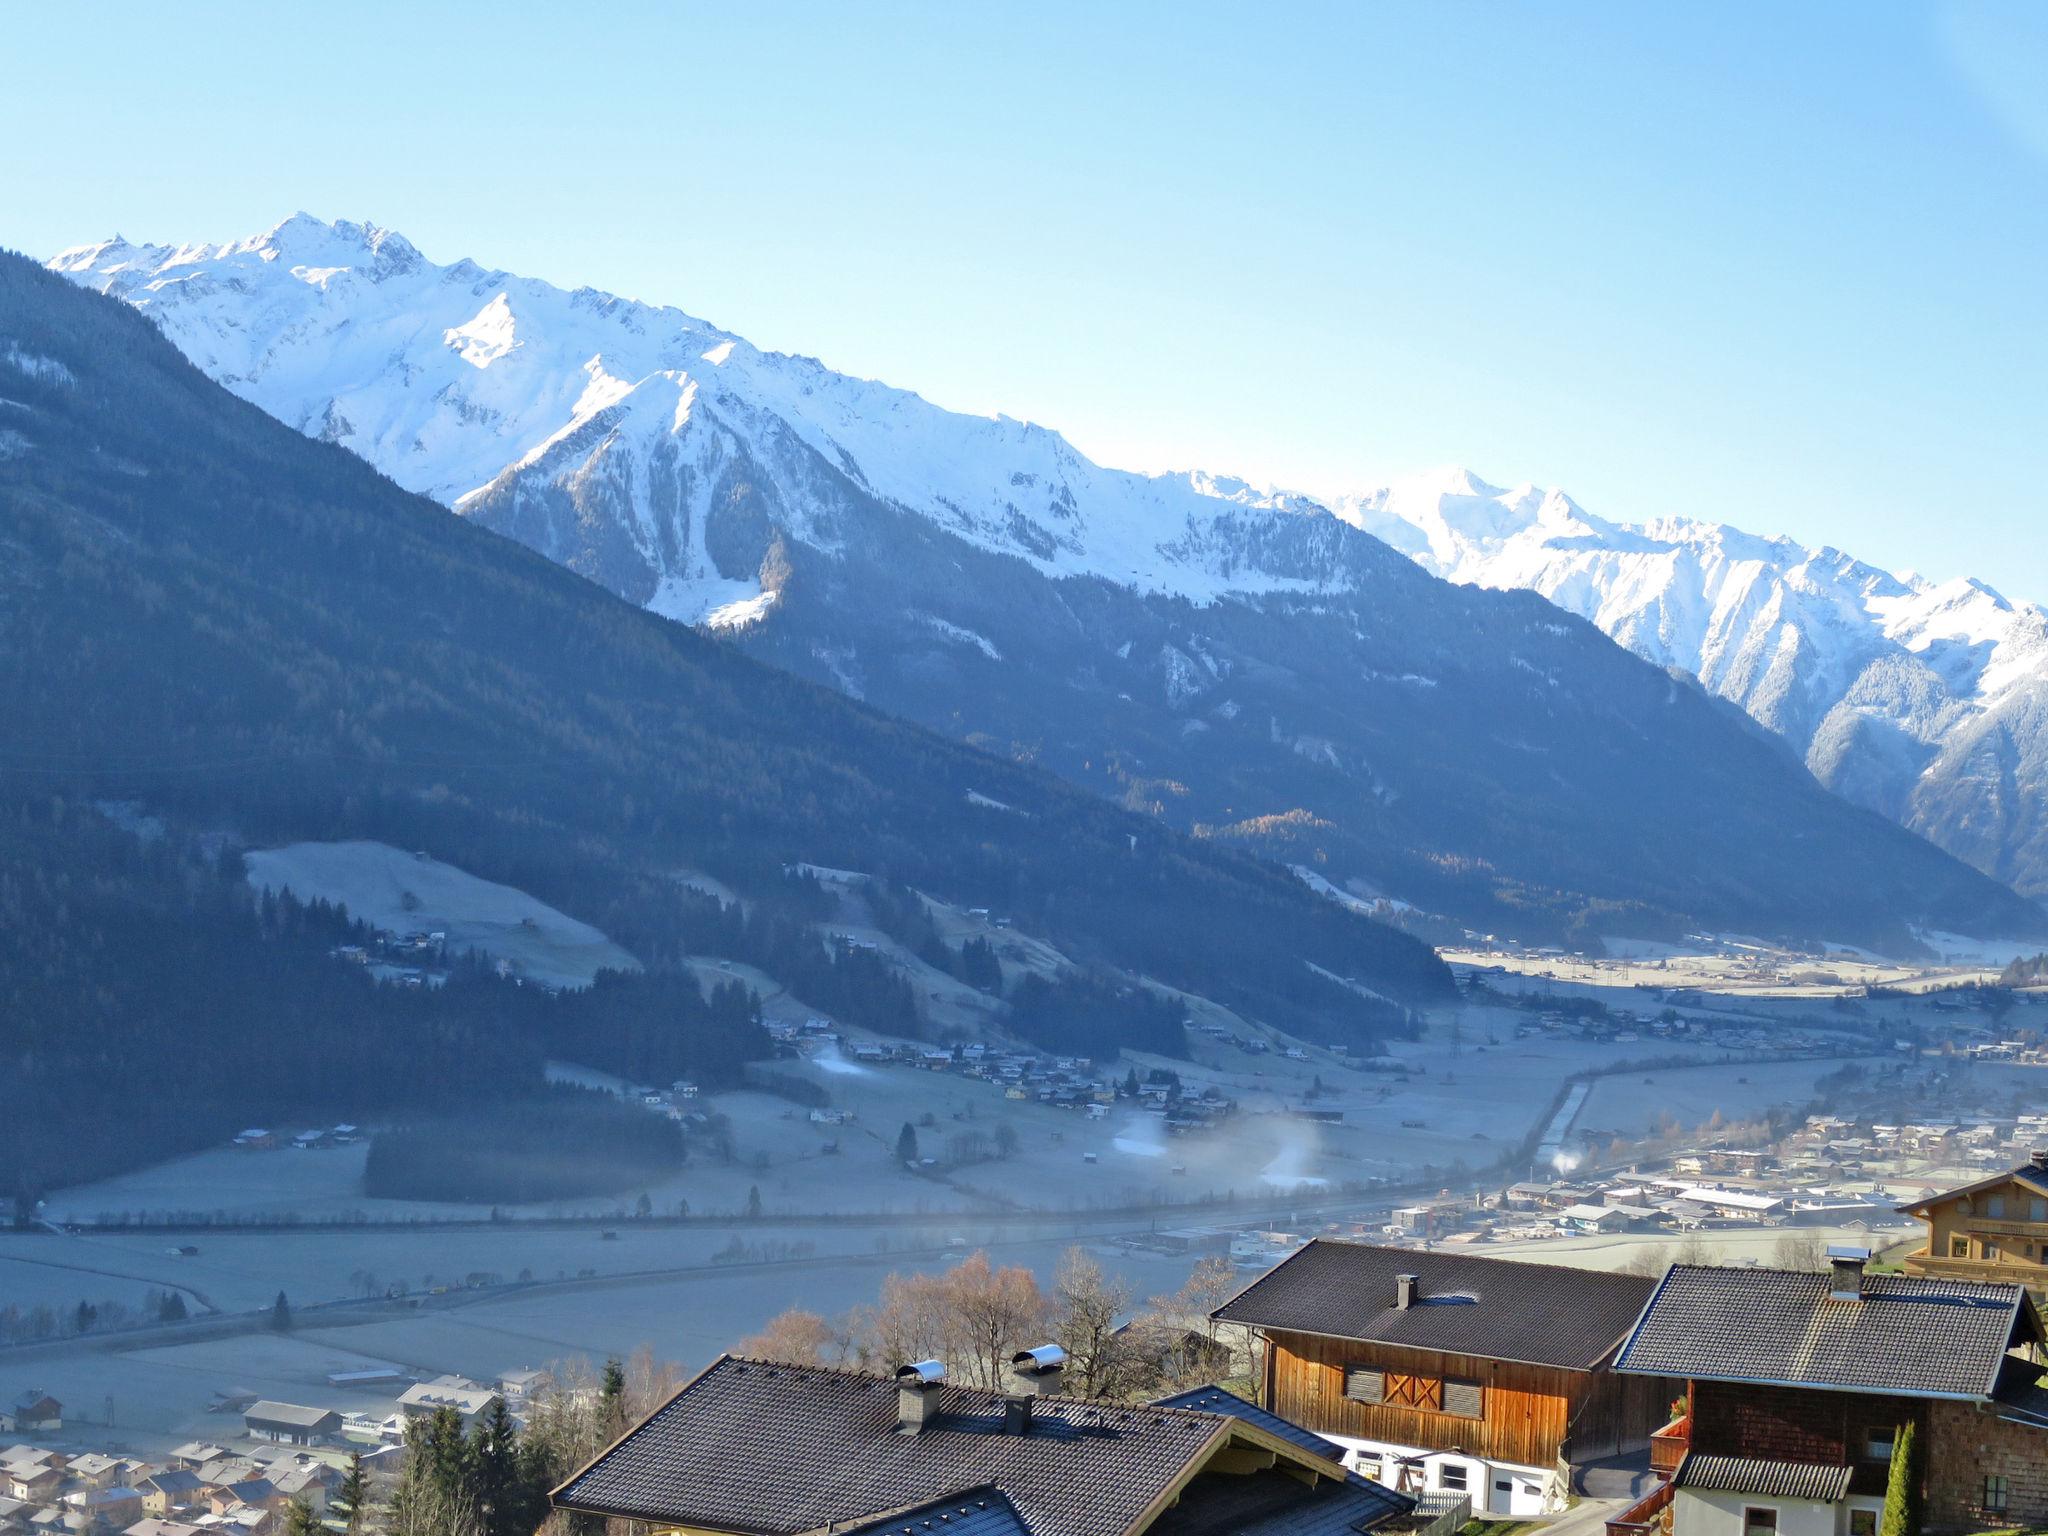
975 1512
779 1449
1772 1479
1272 1503
1540 1314
1217 1400
1914 1337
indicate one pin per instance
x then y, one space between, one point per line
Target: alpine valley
1257 669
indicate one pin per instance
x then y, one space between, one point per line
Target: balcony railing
1668 1446
1646 1516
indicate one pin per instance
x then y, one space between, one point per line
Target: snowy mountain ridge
455 379
1925 701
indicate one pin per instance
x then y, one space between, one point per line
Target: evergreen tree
299 1520
1901 1515
906 1143
611 1402
753 1202
351 1495
281 1314
498 1475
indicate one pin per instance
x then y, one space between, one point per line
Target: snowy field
406 892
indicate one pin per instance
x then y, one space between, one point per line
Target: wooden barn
1453 1373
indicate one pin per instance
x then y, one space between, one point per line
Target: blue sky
1778 265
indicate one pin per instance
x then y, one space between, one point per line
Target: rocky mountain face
1246 666
1926 702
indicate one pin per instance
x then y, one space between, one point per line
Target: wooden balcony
1646 1516
1668 1446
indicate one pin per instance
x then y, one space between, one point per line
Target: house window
1367 1464
1991 1250
1959 1247
1759 1522
1994 1495
1862 1522
1450 1476
2039 1209
1994 1207
1363 1384
1877 1443
1465 1399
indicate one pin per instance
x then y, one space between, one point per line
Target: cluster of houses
411 959
1063 1082
259 1139
287 1453
199 1489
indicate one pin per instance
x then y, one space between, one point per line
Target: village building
164 1493
290 1423
470 1400
1446 1372
1993 1230
37 1410
773 1450
1799 1385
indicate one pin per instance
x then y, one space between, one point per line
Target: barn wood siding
1527 1406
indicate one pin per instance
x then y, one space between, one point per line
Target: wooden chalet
1800 1384
1443 1372
1994 1230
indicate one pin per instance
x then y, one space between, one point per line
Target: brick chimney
917 1395
1406 1289
1846 1261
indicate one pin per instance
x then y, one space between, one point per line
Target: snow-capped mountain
606 433
1243 664
1925 701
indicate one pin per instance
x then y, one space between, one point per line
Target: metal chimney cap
1046 1357
921 1373
1848 1253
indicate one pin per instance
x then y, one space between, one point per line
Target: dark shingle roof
1272 1503
1913 1337
1772 1479
1217 1400
1541 1314
976 1512
780 1449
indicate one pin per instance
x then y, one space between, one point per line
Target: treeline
557 1145
976 1315
151 1004
1079 1014
2030 971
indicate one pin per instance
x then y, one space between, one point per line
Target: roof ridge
1575 1270
1093 1404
